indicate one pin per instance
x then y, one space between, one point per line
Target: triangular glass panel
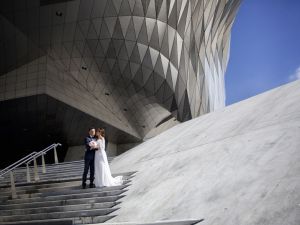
147 60
134 68
110 22
150 26
142 50
138 22
117 4
123 53
124 21
98 8
151 11
118 31
99 51
138 8
163 12
130 35
143 36
125 9
110 9
97 25
104 33
154 42
92 33
154 54
135 56
146 72
104 44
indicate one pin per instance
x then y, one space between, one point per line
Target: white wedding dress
103 177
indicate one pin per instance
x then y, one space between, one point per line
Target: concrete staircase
57 198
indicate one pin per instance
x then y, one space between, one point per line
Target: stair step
61 202
68 187
57 180
44 187
65 208
30 186
42 222
25 183
58 215
94 194
69 221
78 190
48 173
63 192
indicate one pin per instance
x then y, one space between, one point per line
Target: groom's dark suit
88 161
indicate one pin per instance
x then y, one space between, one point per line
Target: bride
103 175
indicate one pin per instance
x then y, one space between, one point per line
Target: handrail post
43 163
36 173
28 173
13 186
55 155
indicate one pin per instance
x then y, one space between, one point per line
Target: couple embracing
95 160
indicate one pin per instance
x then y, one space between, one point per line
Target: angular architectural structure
127 65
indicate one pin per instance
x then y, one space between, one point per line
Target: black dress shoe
83 186
92 186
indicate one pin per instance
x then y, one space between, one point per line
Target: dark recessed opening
84 67
125 110
58 13
51 2
106 93
143 126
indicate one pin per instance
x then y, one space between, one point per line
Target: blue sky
265 48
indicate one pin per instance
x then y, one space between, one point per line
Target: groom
89 159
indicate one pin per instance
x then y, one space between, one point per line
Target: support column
28 173
43 163
55 156
36 172
13 186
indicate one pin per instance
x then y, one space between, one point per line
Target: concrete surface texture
236 166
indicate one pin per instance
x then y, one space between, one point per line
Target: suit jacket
89 153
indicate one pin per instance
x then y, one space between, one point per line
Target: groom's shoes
83 186
92 186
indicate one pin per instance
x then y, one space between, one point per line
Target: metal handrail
21 160
42 152
28 160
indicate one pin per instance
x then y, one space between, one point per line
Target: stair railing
32 157
21 160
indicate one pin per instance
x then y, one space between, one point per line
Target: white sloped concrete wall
239 165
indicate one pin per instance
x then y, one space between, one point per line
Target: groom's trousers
88 164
